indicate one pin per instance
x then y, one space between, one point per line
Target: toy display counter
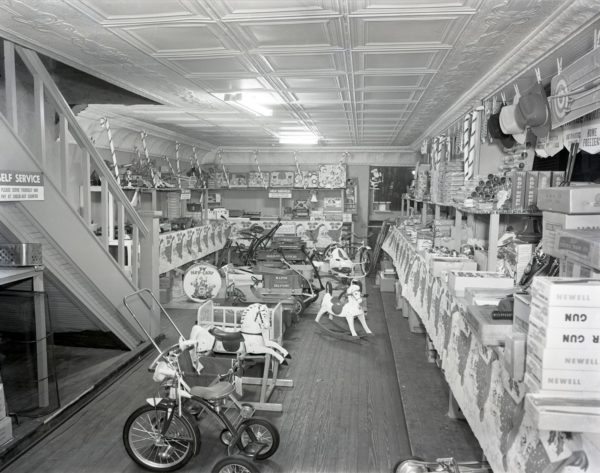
490 400
314 233
184 246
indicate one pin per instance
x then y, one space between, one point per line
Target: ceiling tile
176 38
302 62
224 84
211 65
389 95
413 80
307 97
289 34
412 30
113 9
312 82
399 60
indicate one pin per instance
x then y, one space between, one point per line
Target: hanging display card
566 103
282 178
554 142
220 180
571 134
306 179
590 137
238 179
332 176
257 179
21 185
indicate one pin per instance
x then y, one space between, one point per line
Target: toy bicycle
163 434
444 465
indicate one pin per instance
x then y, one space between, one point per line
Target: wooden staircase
76 257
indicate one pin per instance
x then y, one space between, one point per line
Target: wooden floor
343 415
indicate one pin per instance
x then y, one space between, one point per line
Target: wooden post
424 206
493 241
104 197
10 84
437 212
38 92
86 203
40 336
63 156
149 264
458 227
134 256
121 235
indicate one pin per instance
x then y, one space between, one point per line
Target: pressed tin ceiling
355 72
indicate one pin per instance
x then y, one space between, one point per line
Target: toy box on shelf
458 281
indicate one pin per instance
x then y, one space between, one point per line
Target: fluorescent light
298 139
253 103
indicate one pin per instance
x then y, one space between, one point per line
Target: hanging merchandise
468 168
115 166
262 180
575 90
473 138
508 122
495 131
178 165
533 111
156 180
222 179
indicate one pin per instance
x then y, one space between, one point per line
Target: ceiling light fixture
298 139
248 102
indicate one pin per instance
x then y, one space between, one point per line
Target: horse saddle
231 340
338 303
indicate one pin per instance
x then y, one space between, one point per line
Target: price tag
237 382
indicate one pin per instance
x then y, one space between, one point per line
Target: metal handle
162 309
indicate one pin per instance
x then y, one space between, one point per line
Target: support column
149 263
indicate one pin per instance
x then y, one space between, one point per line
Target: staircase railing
111 194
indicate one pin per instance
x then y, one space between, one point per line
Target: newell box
582 246
570 200
563 292
458 281
554 223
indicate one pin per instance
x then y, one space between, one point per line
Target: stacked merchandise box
579 252
447 181
458 281
422 182
563 354
567 208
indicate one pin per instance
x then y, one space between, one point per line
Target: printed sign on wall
21 185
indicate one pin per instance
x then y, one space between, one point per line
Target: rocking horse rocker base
348 306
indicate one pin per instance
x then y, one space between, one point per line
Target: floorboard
343 415
425 395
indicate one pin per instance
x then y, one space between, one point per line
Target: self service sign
21 185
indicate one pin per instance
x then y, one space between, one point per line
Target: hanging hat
493 126
508 123
533 111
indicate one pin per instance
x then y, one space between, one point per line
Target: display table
184 246
490 400
314 233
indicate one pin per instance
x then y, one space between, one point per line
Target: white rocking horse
254 333
349 307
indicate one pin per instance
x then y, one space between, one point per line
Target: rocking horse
347 305
251 339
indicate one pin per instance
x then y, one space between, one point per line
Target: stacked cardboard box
422 182
563 347
446 181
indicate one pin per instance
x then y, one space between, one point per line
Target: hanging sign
280 193
186 194
590 137
576 90
21 185
571 134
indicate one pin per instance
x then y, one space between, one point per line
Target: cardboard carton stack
422 182
563 342
567 208
579 252
446 181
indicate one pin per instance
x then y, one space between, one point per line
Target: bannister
37 69
112 199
